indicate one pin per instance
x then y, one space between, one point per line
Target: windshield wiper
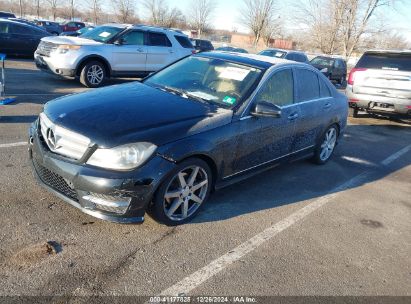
184 94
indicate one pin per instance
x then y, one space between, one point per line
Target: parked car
380 83
78 32
164 144
333 68
202 45
19 39
7 15
112 50
71 26
52 27
231 49
22 21
286 54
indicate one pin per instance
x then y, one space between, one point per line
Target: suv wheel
353 112
326 147
182 193
93 74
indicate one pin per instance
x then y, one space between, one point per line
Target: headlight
324 70
64 48
122 157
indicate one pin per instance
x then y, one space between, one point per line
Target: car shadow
301 181
18 119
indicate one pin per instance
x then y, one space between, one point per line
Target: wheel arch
94 57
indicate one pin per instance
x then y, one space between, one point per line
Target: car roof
393 51
260 61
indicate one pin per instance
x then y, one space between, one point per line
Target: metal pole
3 80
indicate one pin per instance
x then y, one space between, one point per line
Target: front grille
55 181
45 48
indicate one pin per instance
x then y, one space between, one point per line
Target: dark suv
202 45
335 69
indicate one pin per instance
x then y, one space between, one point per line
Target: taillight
351 76
408 107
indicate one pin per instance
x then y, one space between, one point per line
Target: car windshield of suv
102 33
322 61
273 53
207 80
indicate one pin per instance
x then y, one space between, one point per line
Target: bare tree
53 7
257 16
38 8
200 13
95 6
72 9
272 30
161 14
125 10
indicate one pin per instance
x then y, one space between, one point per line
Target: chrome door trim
256 166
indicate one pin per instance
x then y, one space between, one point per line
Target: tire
93 74
170 211
326 145
353 112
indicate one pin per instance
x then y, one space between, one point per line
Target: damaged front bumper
120 197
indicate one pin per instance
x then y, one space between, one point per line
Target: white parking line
16 144
194 280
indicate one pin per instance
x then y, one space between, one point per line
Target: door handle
327 105
139 50
293 116
171 51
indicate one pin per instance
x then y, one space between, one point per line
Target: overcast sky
227 14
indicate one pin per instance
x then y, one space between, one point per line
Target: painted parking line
194 280
16 144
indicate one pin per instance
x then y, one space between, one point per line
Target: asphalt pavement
342 229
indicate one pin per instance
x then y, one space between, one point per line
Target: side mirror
266 109
119 41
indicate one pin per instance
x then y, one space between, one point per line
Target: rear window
308 85
393 62
158 39
184 42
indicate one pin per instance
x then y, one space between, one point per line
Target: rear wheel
353 112
181 195
93 74
326 147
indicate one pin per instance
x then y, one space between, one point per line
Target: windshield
102 33
273 53
322 61
207 79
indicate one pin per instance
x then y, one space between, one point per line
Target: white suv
112 50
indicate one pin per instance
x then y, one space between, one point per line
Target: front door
130 55
269 139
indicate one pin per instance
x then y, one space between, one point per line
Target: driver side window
133 38
279 89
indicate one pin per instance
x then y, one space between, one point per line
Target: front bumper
75 182
45 64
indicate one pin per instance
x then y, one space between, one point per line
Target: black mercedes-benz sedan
163 144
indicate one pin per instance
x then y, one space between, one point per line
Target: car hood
70 40
134 112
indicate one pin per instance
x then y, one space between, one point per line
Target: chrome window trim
267 162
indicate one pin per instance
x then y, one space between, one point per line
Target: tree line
328 26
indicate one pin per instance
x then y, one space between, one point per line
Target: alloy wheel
95 74
328 145
185 193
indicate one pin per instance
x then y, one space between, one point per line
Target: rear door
384 75
313 108
131 55
159 51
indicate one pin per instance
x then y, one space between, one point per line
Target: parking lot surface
333 230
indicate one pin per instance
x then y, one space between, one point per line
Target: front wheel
326 147
182 193
93 74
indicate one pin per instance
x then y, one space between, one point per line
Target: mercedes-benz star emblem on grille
51 139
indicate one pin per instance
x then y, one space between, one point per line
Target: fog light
114 204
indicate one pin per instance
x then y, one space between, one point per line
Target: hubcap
185 193
95 74
328 145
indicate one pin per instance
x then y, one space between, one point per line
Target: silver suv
112 50
381 83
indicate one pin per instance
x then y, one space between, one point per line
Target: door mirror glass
266 109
